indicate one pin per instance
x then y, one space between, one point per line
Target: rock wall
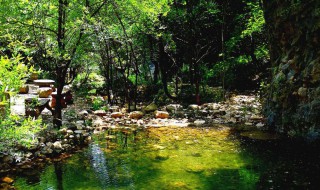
293 104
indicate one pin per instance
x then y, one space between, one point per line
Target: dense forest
128 58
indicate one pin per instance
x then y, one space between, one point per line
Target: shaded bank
293 104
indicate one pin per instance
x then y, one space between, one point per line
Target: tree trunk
163 64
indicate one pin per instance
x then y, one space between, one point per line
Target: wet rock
116 115
151 108
161 114
100 113
136 115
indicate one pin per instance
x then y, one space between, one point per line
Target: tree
56 30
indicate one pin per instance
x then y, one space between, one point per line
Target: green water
178 158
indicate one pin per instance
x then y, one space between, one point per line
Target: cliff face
293 104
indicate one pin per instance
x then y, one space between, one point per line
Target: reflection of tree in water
99 165
111 172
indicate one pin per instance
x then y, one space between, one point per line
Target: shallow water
179 158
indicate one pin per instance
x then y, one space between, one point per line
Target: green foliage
19 131
12 71
256 21
88 83
98 103
210 94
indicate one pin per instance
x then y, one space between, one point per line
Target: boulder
136 115
161 114
151 107
116 115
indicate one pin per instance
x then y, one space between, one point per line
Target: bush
18 131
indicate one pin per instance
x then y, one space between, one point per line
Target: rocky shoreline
77 131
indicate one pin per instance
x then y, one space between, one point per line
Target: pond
179 158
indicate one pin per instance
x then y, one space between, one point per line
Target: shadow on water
284 163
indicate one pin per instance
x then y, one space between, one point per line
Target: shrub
16 130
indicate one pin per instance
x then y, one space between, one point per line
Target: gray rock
199 122
7 159
78 131
194 107
57 145
49 145
63 131
172 108
151 107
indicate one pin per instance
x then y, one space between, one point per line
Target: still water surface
180 158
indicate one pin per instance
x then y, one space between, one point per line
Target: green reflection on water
156 158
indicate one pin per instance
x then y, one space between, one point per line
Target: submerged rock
162 157
260 135
195 168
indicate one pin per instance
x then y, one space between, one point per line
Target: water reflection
99 164
182 158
